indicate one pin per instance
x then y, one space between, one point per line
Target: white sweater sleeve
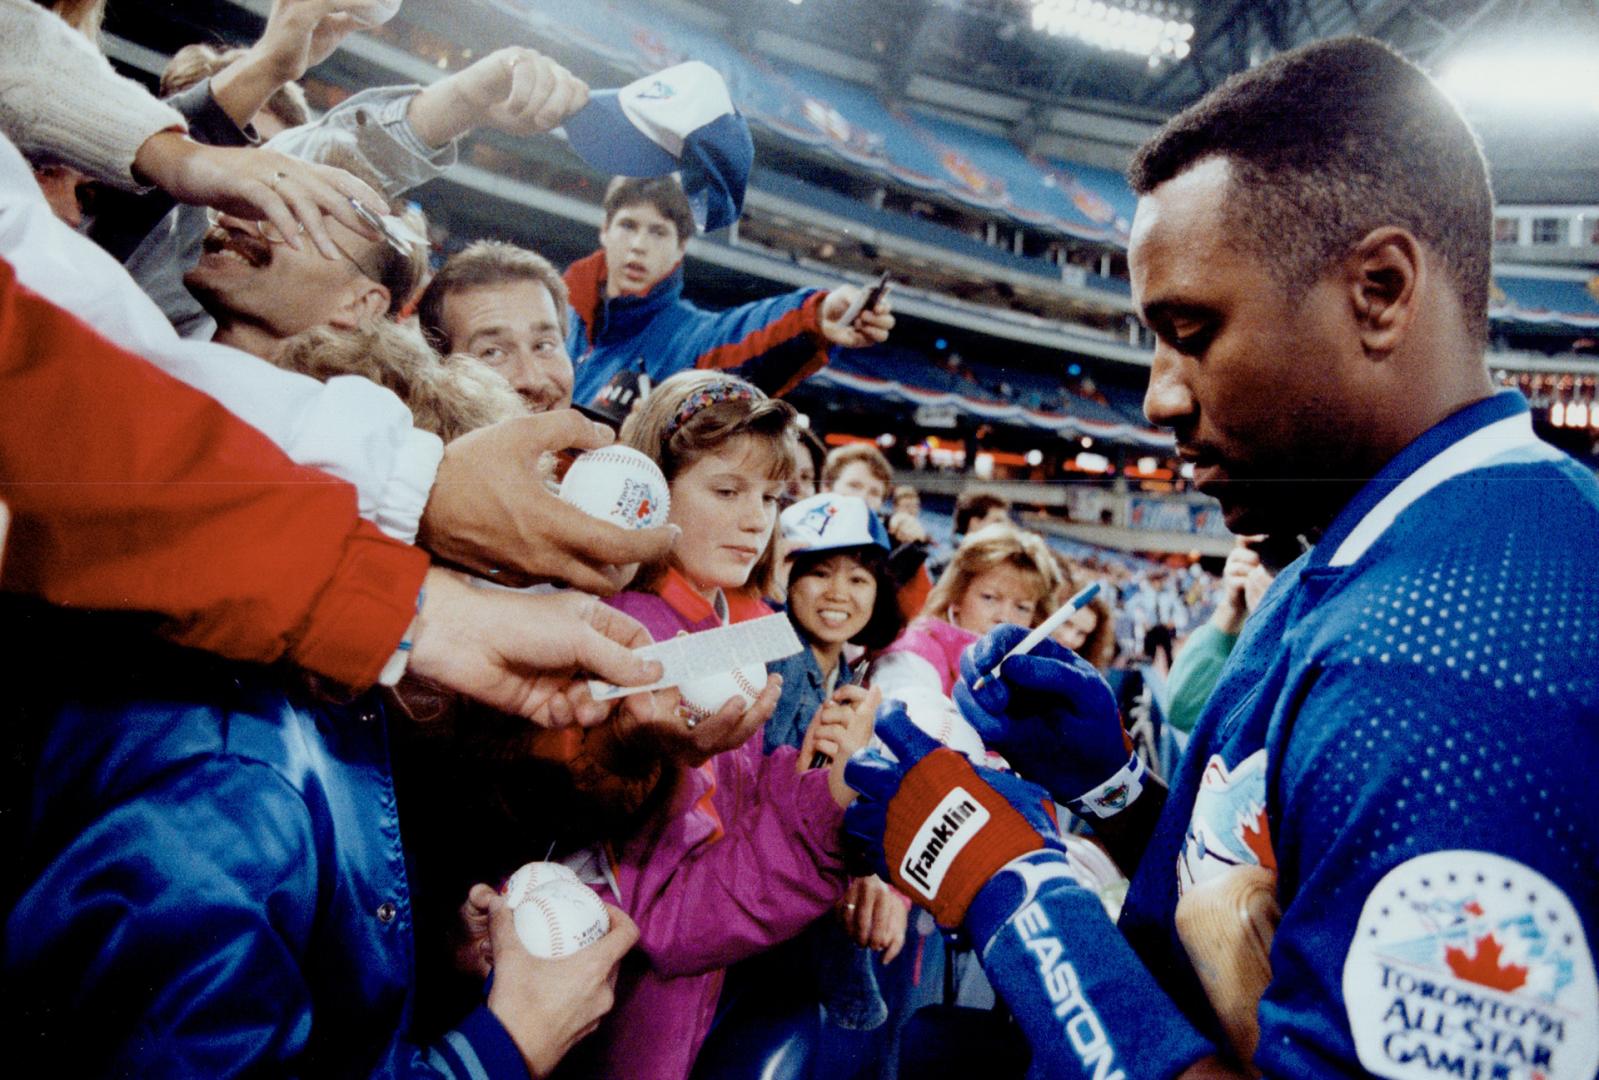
61 101
348 426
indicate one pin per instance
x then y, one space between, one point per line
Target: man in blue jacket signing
629 317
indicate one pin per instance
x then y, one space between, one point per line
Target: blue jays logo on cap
831 522
681 120
818 518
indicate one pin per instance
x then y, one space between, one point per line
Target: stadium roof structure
982 63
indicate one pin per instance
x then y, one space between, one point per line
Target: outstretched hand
1049 712
549 1006
665 733
529 655
255 185
937 826
870 327
518 90
490 511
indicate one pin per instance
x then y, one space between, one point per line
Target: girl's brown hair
985 549
696 413
1100 647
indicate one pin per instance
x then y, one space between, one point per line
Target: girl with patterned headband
743 850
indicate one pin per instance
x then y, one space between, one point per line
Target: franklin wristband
1114 795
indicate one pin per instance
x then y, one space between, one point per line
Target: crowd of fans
309 634
265 261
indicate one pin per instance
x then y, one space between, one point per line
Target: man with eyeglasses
261 289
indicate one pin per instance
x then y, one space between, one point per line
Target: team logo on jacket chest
1469 964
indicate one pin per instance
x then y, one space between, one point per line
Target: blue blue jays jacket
1406 733
221 889
774 343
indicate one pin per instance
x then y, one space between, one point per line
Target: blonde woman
1001 574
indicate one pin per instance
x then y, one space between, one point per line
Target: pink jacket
744 854
938 642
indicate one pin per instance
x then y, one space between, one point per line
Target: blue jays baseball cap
832 522
678 120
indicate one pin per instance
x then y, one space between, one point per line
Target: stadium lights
1148 28
1545 79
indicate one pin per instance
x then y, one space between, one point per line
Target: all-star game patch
1469 964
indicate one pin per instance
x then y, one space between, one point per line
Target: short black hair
887 621
663 193
1328 142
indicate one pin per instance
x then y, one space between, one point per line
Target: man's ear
1384 281
365 300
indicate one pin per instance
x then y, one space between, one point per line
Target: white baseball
532 875
560 917
620 485
704 698
937 715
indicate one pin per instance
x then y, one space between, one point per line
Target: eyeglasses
390 229
272 235
399 237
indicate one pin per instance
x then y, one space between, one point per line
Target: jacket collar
620 316
674 588
1489 431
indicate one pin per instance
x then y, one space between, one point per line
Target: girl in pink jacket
743 852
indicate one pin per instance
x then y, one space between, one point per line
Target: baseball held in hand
704 698
555 913
620 485
520 885
937 716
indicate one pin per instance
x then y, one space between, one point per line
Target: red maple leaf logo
1256 836
1484 968
1471 907
643 509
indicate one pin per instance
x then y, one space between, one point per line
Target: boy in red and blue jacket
629 317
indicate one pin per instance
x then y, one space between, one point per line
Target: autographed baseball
520 885
618 484
704 698
558 918
937 715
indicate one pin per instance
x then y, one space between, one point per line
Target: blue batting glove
937 826
1052 716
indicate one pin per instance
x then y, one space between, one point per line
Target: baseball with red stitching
704 698
531 876
558 918
620 485
937 715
